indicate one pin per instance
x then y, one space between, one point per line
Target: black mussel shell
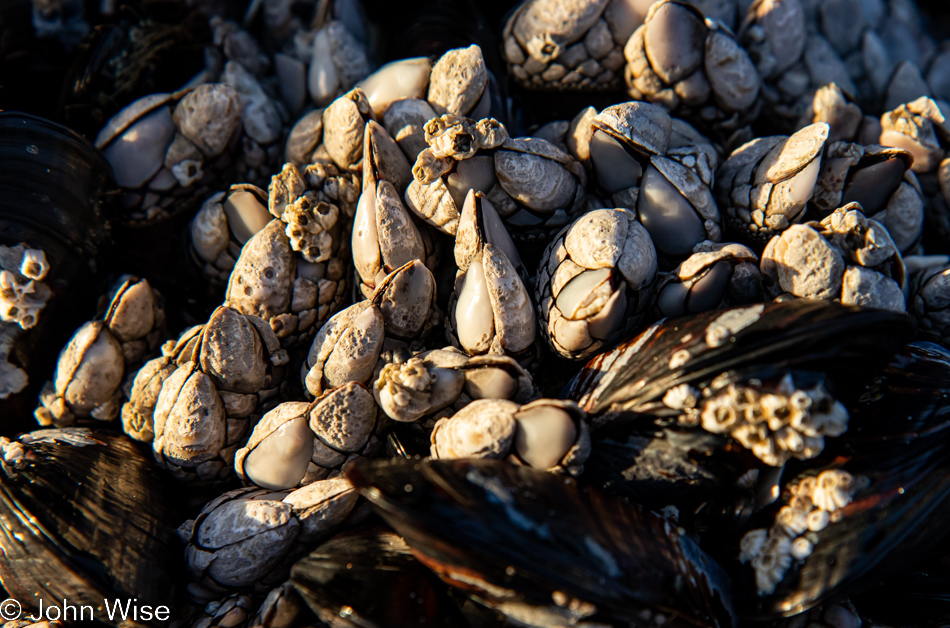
369 578
52 181
692 470
898 441
83 519
924 593
761 340
541 549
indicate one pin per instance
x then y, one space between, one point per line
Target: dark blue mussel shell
542 549
639 450
83 518
899 439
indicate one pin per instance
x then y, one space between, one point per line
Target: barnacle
788 422
22 293
773 551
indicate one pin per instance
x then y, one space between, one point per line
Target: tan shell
514 314
263 275
285 187
483 429
433 203
386 158
543 27
645 126
346 348
540 446
132 312
533 178
269 423
344 418
90 369
137 413
189 418
305 136
208 116
405 120
231 352
614 262
343 123
323 506
209 232
406 298
457 81
410 390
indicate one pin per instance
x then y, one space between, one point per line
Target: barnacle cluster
788 421
812 505
22 291
412 262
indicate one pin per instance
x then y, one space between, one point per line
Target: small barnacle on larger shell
776 423
22 291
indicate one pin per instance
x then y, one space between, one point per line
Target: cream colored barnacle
22 293
776 424
545 434
809 510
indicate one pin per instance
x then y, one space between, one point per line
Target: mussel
83 519
681 414
890 514
543 550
